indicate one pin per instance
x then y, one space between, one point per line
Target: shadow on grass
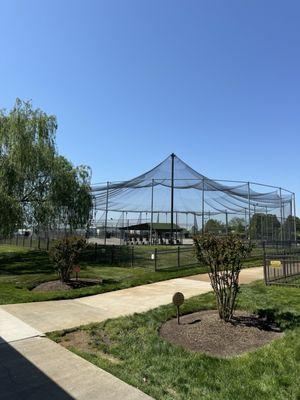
31 262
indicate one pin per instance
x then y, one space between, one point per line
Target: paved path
47 316
33 367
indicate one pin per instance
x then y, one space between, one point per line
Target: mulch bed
72 284
204 332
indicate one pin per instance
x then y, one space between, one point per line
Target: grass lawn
131 349
22 269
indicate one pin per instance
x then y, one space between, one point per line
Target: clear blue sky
130 81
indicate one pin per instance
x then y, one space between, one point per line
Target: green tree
264 227
38 188
214 226
65 254
237 225
224 256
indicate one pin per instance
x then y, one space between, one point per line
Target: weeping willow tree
38 187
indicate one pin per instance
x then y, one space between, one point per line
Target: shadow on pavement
20 379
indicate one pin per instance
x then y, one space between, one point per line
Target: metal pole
172 197
226 215
281 215
106 213
176 235
151 224
295 224
267 233
203 205
249 210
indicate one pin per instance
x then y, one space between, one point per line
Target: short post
178 300
265 263
95 250
155 259
178 256
112 254
132 256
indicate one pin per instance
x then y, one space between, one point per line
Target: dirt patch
204 332
72 284
81 340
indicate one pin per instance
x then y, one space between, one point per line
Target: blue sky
130 81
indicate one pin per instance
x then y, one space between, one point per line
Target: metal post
203 205
281 217
226 215
172 197
151 224
267 233
106 213
295 223
249 210
176 232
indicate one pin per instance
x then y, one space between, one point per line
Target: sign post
178 300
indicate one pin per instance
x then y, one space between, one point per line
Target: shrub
224 256
65 254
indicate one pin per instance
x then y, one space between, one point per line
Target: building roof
156 226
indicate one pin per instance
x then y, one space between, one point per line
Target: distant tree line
262 227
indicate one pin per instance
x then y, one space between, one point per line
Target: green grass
21 269
169 372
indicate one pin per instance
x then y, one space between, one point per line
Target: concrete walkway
47 316
33 367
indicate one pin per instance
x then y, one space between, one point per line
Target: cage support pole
267 233
226 216
281 217
172 197
249 211
106 213
151 224
203 205
295 224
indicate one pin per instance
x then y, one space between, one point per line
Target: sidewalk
48 316
34 367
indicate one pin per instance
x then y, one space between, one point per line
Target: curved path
33 367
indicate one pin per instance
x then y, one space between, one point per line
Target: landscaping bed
204 332
73 283
132 349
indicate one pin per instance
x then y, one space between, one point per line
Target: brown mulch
204 332
72 284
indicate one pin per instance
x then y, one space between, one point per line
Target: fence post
23 241
112 254
30 241
39 243
155 259
178 257
47 244
132 255
17 240
96 247
265 263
